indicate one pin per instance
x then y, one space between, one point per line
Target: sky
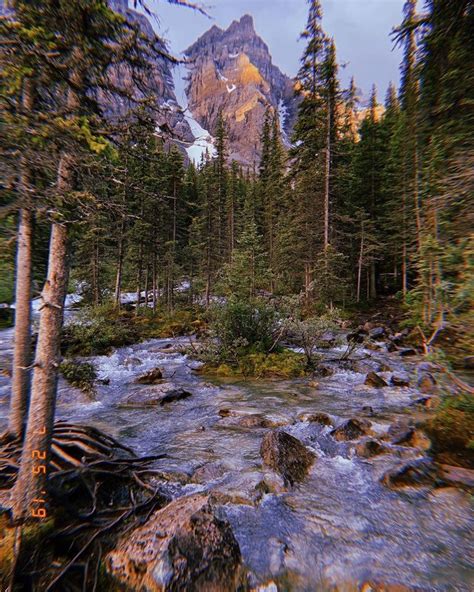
361 29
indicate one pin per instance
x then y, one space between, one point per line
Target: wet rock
313 384
469 362
373 379
286 455
324 371
209 472
104 381
386 587
414 438
151 377
372 346
426 402
352 429
369 448
427 367
427 383
383 367
378 333
254 421
368 410
225 412
322 418
357 336
177 394
183 546
391 347
399 380
132 362
457 476
409 351
154 397
414 473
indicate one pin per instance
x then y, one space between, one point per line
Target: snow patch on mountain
203 141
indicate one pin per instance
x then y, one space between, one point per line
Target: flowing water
340 526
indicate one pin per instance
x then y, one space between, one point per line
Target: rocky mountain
232 71
160 83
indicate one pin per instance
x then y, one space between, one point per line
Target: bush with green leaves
79 374
308 334
98 330
244 326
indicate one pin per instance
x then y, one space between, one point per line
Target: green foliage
452 429
79 374
97 331
308 333
282 364
243 326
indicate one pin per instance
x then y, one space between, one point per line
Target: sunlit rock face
232 71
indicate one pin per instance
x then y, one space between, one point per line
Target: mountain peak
245 25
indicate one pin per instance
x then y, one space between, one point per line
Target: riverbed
340 526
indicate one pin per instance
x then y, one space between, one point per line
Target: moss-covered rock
451 431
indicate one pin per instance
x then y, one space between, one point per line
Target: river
339 526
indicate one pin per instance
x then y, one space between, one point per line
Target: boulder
426 402
183 546
373 379
457 476
357 336
254 421
286 455
391 347
370 447
469 362
352 429
408 351
322 418
176 394
151 377
324 371
377 333
414 438
154 397
415 473
399 380
427 383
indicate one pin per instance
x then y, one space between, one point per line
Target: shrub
244 326
79 374
99 330
308 333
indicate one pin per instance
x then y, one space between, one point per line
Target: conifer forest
236 322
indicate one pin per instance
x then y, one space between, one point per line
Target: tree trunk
32 478
326 178
29 496
22 337
361 258
118 275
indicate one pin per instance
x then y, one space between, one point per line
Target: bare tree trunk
95 273
30 497
22 338
31 482
361 258
327 177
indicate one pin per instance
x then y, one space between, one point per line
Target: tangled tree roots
98 489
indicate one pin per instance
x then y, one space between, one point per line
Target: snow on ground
231 89
283 115
203 141
234 55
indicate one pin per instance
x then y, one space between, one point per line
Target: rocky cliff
232 71
159 83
